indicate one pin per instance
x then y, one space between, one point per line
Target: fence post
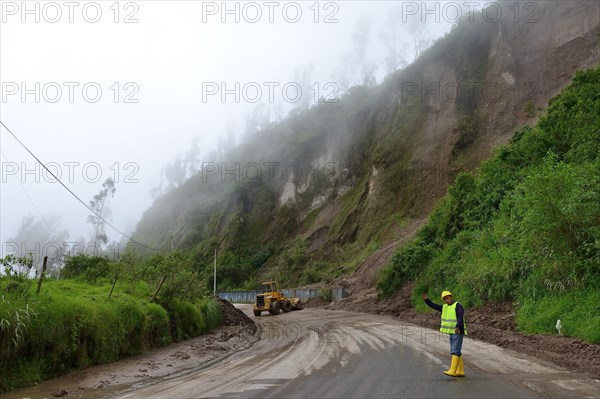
160 284
113 285
42 275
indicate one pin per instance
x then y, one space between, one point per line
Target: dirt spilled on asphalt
492 322
237 331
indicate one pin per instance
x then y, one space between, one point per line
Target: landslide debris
235 317
493 322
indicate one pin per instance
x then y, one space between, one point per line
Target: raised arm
430 303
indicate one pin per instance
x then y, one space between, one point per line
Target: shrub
186 320
91 268
156 326
405 265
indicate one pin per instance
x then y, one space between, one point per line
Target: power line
29 197
75 195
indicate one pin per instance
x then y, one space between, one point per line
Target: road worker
453 324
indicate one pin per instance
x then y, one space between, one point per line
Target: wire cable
29 197
75 195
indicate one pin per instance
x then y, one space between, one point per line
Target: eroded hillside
308 199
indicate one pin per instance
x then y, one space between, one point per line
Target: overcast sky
105 89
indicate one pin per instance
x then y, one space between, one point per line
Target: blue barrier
303 293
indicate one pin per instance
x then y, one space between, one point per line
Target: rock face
469 107
535 60
520 63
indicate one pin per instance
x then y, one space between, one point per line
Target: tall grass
212 312
72 325
15 318
578 311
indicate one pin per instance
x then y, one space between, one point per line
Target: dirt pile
316 302
235 317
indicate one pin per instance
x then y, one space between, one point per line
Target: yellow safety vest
449 320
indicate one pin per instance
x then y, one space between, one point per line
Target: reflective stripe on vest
449 320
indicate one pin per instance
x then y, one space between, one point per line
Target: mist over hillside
308 198
471 166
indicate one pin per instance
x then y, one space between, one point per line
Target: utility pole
215 275
43 274
215 268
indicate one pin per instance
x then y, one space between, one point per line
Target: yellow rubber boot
452 370
460 370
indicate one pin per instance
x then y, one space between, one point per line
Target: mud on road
340 354
493 323
320 353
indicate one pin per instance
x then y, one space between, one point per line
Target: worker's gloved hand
457 330
424 296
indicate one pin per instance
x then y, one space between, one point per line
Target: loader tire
286 306
274 308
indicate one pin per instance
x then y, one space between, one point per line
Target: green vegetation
73 324
525 226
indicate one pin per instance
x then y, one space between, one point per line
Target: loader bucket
297 304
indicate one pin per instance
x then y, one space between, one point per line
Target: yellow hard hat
446 293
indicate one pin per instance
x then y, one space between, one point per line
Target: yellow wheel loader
273 301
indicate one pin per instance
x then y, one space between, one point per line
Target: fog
101 90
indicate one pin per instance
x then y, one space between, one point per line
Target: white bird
558 326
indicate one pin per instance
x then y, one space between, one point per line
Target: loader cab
269 286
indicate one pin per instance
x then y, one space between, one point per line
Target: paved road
335 354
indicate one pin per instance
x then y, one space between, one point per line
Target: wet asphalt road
334 354
396 372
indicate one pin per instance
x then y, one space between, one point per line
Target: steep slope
309 198
517 242
526 225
